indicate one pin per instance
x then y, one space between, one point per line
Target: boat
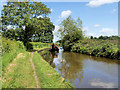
54 47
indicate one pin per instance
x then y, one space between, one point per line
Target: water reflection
85 71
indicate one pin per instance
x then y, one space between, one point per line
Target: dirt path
35 76
13 63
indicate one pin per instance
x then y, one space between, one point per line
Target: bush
101 48
29 46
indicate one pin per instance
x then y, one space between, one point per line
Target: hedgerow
99 48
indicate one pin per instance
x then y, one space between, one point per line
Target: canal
84 71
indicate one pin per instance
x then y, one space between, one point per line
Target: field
39 45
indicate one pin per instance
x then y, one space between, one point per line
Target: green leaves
24 14
71 31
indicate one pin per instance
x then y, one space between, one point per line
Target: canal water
84 71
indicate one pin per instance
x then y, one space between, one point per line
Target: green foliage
19 74
22 13
24 17
91 37
29 46
39 45
71 31
105 37
10 49
103 48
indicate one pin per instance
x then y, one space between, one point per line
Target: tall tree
70 31
23 15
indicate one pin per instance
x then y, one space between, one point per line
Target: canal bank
84 71
47 76
95 47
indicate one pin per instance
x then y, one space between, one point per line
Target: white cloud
51 10
65 14
88 33
96 3
98 83
85 29
4 3
97 25
108 32
91 34
103 32
58 20
114 10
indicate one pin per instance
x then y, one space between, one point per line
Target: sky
99 17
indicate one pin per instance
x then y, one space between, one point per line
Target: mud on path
13 63
35 76
20 73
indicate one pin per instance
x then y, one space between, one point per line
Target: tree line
29 20
105 37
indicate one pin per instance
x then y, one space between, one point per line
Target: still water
85 71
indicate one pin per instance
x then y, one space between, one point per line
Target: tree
70 31
43 30
91 37
95 37
100 37
23 15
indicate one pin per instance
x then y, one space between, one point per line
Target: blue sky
100 20
99 17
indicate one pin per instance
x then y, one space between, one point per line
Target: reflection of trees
49 57
70 65
98 59
105 60
72 68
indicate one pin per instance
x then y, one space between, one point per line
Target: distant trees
70 31
105 37
91 37
24 17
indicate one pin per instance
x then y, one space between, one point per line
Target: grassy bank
47 76
18 72
100 48
10 49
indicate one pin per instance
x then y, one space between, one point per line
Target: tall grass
10 49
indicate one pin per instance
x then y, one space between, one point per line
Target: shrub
94 47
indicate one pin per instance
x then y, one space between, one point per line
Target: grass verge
19 73
10 49
47 76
